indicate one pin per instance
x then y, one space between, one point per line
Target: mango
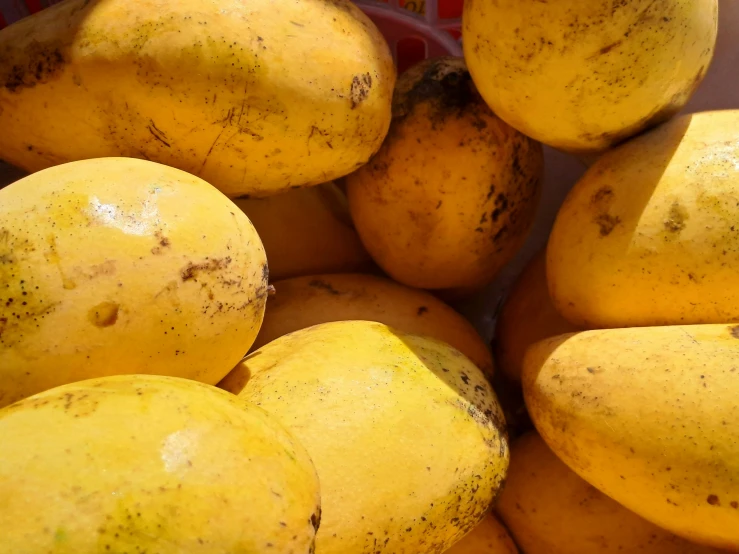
254 97
489 537
550 510
151 464
528 316
406 434
307 301
307 231
649 235
119 266
451 195
584 76
646 416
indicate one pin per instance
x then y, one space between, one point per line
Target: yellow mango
585 75
307 301
452 193
527 316
306 231
550 510
151 464
406 434
489 537
118 266
646 415
649 235
254 97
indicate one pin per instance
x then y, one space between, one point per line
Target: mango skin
254 97
117 266
648 236
528 316
156 464
405 432
307 231
584 76
452 194
307 301
644 415
550 510
489 537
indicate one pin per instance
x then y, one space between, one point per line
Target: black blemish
503 231
734 330
449 95
315 519
317 283
422 310
491 191
713 500
604 195
361 85
465 379
42 64
607 223
191 270
265 274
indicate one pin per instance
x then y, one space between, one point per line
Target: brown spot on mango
676 218
104 314
40 64
607 223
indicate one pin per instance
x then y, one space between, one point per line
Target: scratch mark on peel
210 150
691 337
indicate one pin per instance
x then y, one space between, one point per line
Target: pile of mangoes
224 324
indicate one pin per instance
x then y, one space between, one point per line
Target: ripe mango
550 510
307 231
254 97
489 537
582 75
151 464
528 316
646 416
649 235
117 266
451 195
407 435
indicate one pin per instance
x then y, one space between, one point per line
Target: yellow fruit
550 510
151 464
650 235
452 193
306 301
489 537
307 231
119 266
528 316
406 433
255 97
585 75
646 416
